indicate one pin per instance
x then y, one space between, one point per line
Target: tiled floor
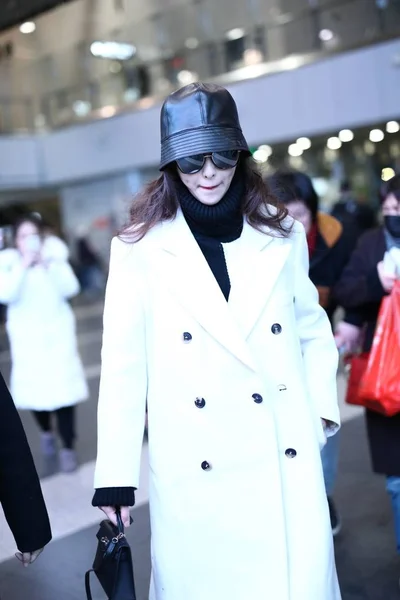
367 562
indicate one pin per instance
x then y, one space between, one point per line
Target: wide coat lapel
260 261
184 270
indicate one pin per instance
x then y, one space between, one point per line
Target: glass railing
180 46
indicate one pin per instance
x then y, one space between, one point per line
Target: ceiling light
107 111
265 148
334 143
262 153
185 77
192 43
304 143
295 150
326 35
113 50
260 156
387 174
376 135
392 127
252 56
234 34
346 135
131 95
28 27
81 108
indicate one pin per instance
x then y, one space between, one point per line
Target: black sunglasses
225 159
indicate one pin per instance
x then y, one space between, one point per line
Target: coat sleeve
63 278
20 491
318 347
11 281
359 283
123 383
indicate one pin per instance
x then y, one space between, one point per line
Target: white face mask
33 243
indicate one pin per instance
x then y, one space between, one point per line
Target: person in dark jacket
89 264
354 215
329 244
360 291
20 492
329 249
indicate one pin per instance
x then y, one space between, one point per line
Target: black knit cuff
114 496
354 317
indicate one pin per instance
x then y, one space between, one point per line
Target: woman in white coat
212 323
47 375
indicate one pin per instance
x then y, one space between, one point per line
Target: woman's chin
209 197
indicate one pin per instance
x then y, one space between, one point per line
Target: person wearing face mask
47 375
329 248
364 283
212 323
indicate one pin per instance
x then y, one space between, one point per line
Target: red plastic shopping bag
355 367
380 385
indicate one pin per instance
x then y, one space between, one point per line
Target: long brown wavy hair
158 201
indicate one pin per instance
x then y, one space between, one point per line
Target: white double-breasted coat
237 499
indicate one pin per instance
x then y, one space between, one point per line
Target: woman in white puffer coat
36 281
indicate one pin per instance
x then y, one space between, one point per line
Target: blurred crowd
354 262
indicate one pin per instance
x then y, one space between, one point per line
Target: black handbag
113 563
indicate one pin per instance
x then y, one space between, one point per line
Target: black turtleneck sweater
211 226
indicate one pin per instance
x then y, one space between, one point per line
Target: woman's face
299 211
210 184
27 233
391 206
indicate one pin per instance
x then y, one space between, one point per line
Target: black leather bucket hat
199 118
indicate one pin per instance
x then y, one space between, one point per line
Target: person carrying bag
368 291
212 325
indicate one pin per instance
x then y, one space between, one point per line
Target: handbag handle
120 524
87 585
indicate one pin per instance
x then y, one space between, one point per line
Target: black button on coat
291 453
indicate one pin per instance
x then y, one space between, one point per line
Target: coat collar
186 273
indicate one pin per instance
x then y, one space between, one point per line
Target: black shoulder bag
113 563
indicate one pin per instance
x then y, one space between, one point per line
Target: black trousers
65 423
